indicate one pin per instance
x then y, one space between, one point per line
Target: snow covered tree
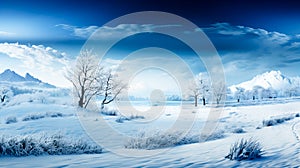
5 95
112 88
219 91
239 94
199 88
290 92
194 92
257 92
90 80
86 78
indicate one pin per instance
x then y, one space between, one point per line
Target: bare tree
257 92
239 93
86 77
199 88
112 88
195 93
219 91
90 80
5 94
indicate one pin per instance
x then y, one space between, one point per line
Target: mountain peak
11 76
272 79
29 77
8 71
273 73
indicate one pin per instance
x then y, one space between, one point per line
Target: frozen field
280 142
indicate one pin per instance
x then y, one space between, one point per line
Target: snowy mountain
29 77
273 80
11 76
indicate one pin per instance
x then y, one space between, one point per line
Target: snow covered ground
280 142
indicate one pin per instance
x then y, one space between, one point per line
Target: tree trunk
203 100
81 98
3 98
238 100
102 106
218 101
196 100
80 102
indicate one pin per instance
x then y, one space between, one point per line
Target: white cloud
83 32
110 32
295 45
231 30
44 62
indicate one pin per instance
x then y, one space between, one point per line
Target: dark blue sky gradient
282 16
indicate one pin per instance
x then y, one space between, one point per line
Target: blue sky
44 37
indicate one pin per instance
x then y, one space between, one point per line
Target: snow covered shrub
10 120
189 139
277 120
121 119
55 144
245 150
33 117
153 140
218 134
258 127
108 112
160 139
54 114
40 116
268 123
238 130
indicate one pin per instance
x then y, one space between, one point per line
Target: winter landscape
136 92
34 113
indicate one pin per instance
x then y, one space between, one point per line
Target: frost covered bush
54 114
238 130
33 117
40 116
277 120
154 140
218 134
10 120
39 145
161 139
108 112
245 150
121 119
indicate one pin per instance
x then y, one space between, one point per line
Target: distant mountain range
11 76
